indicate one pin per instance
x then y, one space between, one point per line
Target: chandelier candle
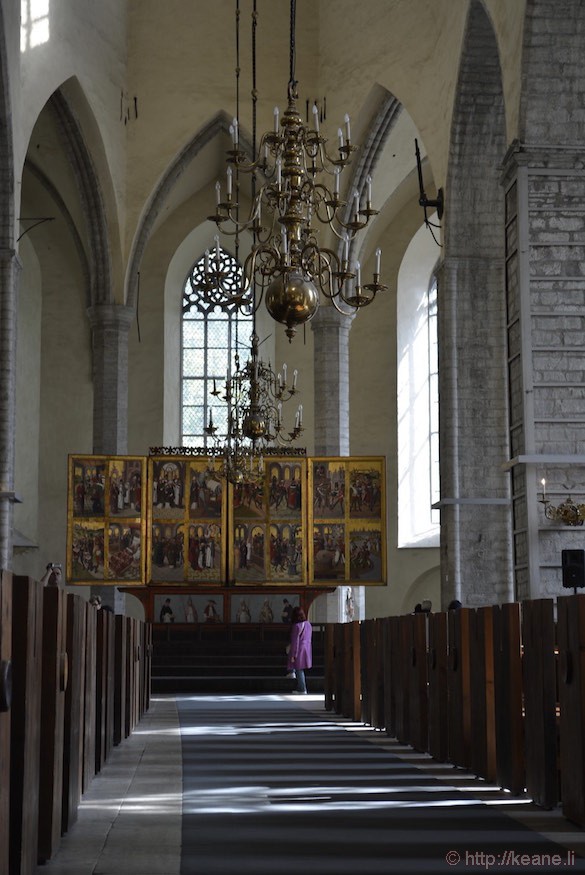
287 267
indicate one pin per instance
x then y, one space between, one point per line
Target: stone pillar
331 376
110 325
10 267
476 557
331 418
545 288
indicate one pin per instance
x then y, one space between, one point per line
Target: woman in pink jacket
300 654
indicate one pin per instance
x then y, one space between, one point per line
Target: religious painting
191 608
106 526
365 489
125 484
285 488
248 501
86 553
366 553
186 521
167 551
205 490
125 551
248 548
347 519
270 515
168 488
328 489
328 552
260 608
88 486
285 553
204 552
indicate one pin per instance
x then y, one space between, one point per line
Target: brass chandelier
254 395
300 187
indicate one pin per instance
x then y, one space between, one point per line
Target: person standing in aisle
300 654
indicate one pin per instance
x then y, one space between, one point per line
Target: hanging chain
254 101
237 176
292 82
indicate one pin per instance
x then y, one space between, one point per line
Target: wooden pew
539 673
367 678
508 697
330 668
137 654
458 688
54 684
571 635
340 663
393 678
437 673
104 707
351 670
74 711
145 667
378 714
482 702
120 677
90 681
401 692
388 718
5 713
416 668
27 640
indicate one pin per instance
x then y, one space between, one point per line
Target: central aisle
272 787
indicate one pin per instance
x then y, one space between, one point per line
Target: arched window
212 333
418 395
432 327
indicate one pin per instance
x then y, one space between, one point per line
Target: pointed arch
91 196
217 126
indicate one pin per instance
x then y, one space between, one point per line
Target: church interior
378 205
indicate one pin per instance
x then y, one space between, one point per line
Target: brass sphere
292 300
254 425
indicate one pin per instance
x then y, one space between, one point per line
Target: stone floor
274 784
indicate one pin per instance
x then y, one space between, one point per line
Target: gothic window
433 398
212 332
418 395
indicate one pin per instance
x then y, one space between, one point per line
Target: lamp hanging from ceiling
300 187
254 396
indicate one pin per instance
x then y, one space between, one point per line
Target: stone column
10 267
110 324
331 418
476 557
545 287
331 345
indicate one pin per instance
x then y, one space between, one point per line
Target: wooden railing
498 690
74 682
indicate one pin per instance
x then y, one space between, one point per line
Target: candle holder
568 512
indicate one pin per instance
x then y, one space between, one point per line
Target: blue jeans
301 682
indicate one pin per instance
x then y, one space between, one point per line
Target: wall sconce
568 513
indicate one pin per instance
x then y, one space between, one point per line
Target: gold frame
272 519
90 509
186 517
347 520
361 542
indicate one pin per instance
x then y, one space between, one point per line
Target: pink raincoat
300 654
